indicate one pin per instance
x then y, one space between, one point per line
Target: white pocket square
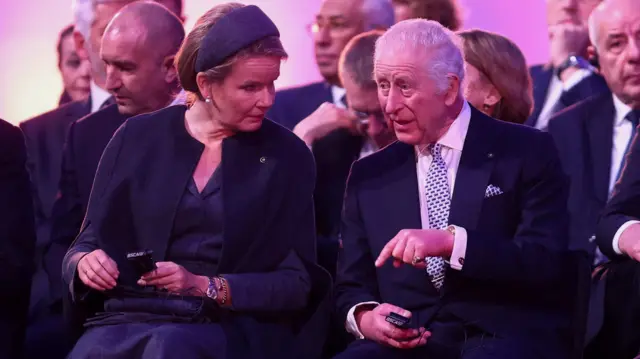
492 191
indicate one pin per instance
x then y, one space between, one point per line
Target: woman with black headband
199 238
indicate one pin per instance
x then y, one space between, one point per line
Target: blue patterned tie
633 117
438 203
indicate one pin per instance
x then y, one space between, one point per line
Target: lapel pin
490 155
263 159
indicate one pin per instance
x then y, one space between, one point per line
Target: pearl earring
208 100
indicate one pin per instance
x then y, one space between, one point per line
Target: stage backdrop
30 84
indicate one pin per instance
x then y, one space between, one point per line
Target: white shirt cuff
616 238
459 248
351 325
574 79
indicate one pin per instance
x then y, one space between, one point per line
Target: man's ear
452 92
80 43
169 67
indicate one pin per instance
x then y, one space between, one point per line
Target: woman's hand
98 271
174 278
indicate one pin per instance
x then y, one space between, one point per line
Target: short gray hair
83 16
442 47
377 14
84 13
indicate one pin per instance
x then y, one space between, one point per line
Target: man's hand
567 39
373 326
629 242
98 271
411 244
327 118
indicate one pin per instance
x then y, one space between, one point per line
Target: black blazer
624 204
512 278
86 140
583 134
268 181
333 154
541 76
17 240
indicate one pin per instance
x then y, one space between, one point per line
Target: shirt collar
337 93
98 96
456 134
622 110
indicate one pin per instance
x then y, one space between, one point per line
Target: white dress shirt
622 131
556 88
98 96
452 144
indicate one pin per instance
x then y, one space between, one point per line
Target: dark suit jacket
268 180
624 204
512 278
334 155
541 76
86 140
45 137
17 240
583 134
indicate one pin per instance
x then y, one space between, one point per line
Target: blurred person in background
568 77
75 71
497 80
318 113
446 12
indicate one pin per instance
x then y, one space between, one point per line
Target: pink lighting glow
30 83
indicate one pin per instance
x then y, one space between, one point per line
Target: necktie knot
633 117
435 149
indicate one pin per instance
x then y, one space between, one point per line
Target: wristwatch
212 291
573 61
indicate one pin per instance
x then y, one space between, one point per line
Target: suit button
461 261
263 159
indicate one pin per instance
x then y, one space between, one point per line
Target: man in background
318 114
568 77
45 136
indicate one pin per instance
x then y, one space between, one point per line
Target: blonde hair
504 66
188 54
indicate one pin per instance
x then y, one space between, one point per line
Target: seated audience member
567 77
446 12
497 80
138 49
317 112
356 69
207 189
175 6
593 136
470 266
615 28
75 71
17 240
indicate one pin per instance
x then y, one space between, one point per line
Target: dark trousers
48 337
454 341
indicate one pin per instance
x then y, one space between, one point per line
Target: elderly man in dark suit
460 226
568 77
594 135
17 240
317 112
615 26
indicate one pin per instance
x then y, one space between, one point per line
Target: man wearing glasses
318 113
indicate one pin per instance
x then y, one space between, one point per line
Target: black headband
232 33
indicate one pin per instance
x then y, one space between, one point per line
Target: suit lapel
246 172
474 171
599 128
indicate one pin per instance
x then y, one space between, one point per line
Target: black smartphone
398 320
142 261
